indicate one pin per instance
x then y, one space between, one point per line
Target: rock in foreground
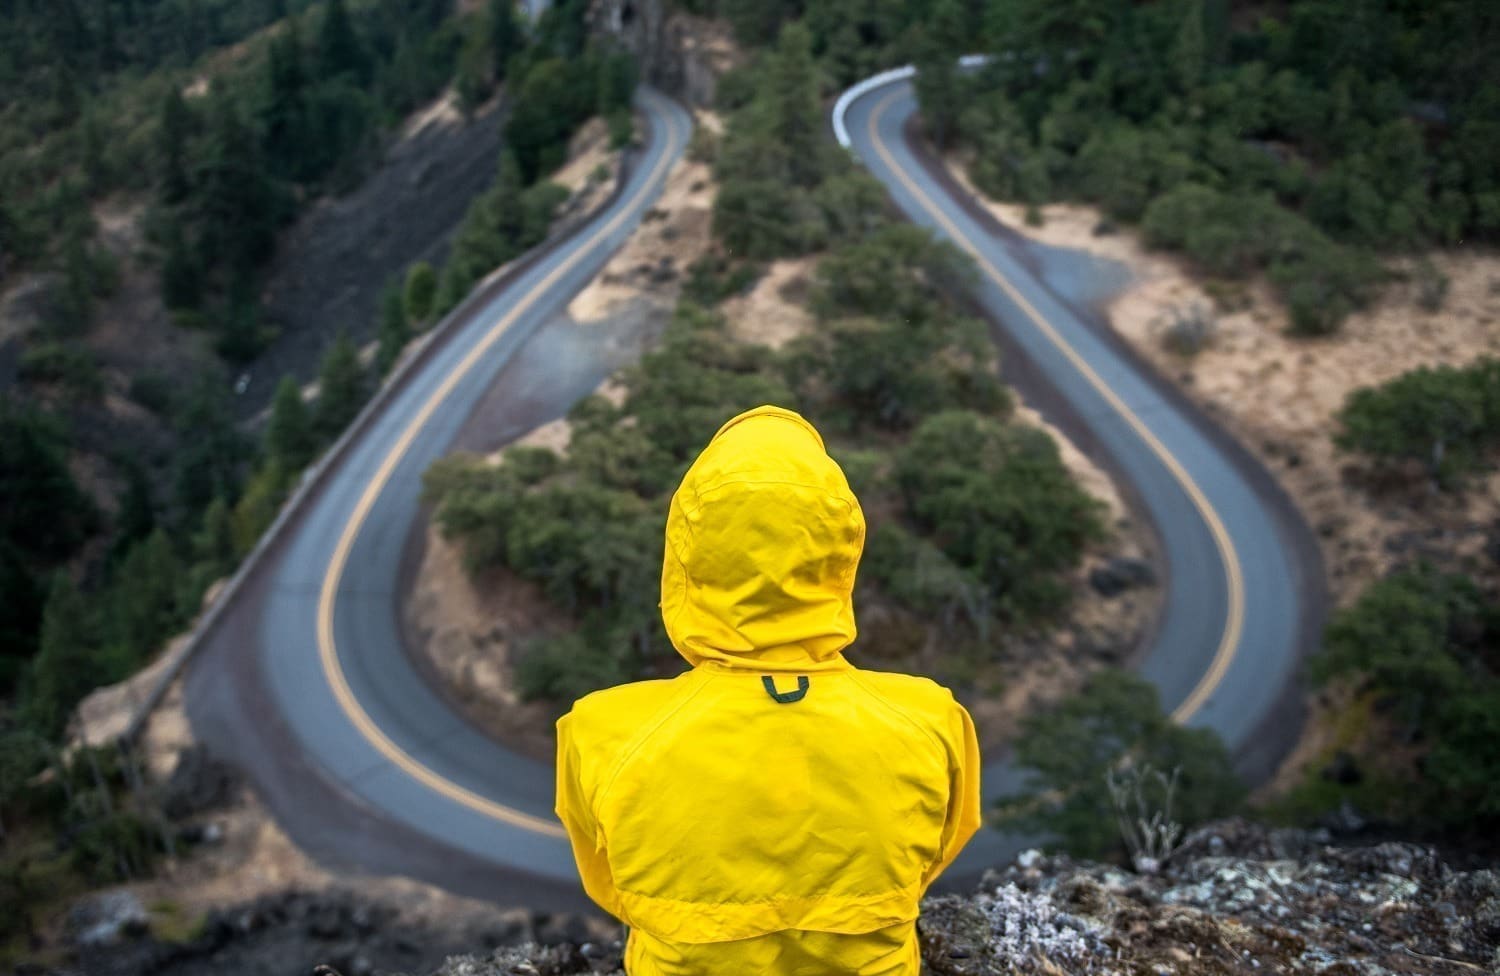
1237 899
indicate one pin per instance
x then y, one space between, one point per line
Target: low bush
1444 418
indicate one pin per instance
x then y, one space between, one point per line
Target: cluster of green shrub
973 520
1446 419
70 821
1296 146
1423 642
1112 726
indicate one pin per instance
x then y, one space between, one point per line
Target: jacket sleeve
964 810
577 816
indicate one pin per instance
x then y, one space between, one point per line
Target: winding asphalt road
304 681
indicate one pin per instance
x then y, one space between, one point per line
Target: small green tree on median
1115 722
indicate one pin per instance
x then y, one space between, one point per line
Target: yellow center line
1235 616
328 650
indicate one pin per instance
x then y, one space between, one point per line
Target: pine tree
21 596
144 607
289 435
284 112
796 115
137 516
213 544
340 53
421 288
176 124
341 388
212 450
258 506
505 36
236 201
181 270
938 91
472 79
1189 52
65 666
395 331
43 512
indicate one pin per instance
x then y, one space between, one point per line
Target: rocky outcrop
1238 898
679 53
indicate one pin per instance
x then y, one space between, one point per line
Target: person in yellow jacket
775 810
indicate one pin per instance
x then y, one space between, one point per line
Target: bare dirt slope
331 264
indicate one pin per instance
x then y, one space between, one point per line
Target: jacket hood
763 540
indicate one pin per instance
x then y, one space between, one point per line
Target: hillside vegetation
216 126
901 382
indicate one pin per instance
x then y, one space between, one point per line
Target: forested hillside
151 155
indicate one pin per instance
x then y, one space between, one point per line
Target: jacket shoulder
922 700
612 714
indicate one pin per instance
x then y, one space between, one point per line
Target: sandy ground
771 313
1279 395
673 234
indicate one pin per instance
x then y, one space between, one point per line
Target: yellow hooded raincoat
775 810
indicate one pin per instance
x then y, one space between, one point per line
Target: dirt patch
673 234
774 311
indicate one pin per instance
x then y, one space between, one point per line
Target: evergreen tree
284 112
340 52
21 596
289 435
341 388
1189 52
213 543
65 667
938 87
137 516
144 610
43 512
421 288
181 270
212 450
505 36
258 506
796 114
395 331
472 79
173 132
236 202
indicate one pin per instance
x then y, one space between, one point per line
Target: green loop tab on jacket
786 697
